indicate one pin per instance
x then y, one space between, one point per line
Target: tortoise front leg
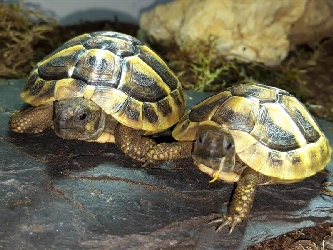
241 203
132 143
169 151
32 120
145 149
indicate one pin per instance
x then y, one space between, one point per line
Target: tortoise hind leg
32 120
241 203
145 149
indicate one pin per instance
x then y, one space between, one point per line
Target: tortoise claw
226 220
145 164
326 188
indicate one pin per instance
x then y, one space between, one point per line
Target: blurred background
76 11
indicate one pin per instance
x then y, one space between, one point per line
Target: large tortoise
250 134
103 87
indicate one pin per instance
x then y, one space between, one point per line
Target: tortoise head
78 118
215 148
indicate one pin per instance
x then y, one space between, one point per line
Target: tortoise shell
116 71
274 133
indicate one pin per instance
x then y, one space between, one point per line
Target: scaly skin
241 203
32 120
132 143
168 151
145 149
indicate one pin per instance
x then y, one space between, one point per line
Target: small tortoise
103 87
251 134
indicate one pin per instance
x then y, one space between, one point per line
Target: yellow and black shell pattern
118 72
273 132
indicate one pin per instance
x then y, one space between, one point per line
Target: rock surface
258 31
70 194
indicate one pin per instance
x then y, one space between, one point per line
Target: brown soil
316 238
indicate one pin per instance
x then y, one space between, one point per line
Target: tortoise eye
82 116
229 146
199 140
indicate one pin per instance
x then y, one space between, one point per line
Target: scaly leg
145 149
169 151
241 203
32 120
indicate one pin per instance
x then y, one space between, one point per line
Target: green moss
20 31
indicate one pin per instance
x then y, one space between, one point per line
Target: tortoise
250 134
102 87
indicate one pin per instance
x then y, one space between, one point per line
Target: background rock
259 31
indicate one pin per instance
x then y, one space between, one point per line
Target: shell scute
237 113
116 46
142 83
276 130
257 91
164 107
305 122
150 58
96 67
61 64
149 113
206 109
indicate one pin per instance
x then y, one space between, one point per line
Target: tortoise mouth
210 162
78 134
219 174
